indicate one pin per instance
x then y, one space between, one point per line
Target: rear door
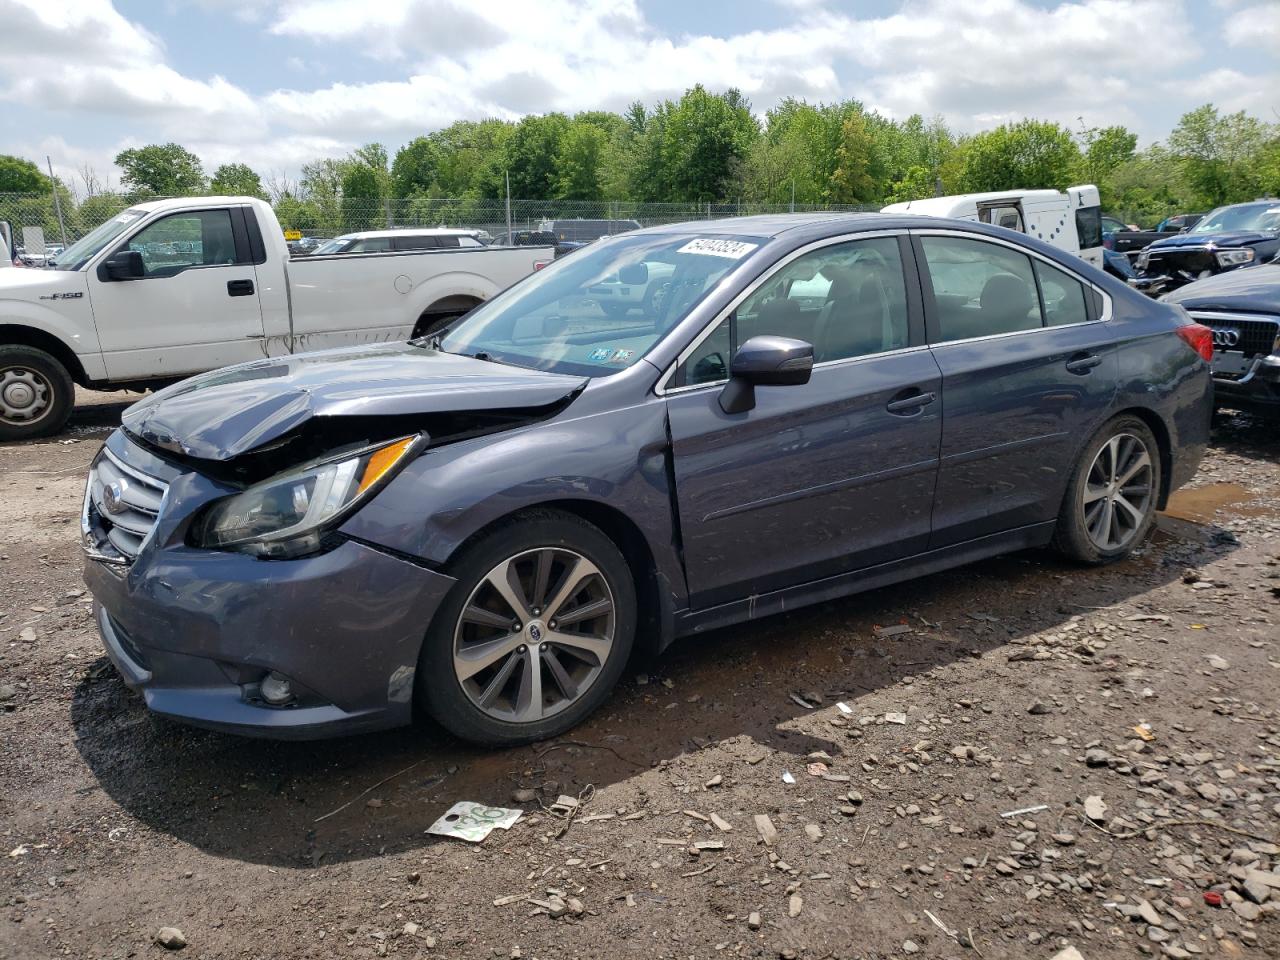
1028 373
822 478
196 308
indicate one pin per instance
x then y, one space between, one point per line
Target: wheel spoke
529 697
1129 508
559 675
1108 515
570 584
1094 492
503 579
1113 458
472 659
586 611
499 682
1133 467
598 647
487 618
541 578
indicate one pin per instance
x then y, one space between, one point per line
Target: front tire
1110 504
534 634
36 393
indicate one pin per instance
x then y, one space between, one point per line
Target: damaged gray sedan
670 431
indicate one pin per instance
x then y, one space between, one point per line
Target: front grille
1194 260
1253 334
121 507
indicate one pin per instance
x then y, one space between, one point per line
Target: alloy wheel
25 395
1118 494
534 634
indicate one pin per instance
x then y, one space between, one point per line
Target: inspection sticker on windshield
622 356
729 249
600 354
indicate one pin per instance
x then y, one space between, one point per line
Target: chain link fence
315 218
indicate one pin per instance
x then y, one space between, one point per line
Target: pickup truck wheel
534 634
36 393
1110 505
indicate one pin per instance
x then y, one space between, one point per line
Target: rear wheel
534 634
36 393
1110 504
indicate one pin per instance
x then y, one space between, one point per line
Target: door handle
910 404
1083 364
240 288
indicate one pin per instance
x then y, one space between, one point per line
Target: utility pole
57 202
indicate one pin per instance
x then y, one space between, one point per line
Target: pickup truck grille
121 507
1194 260
1250 335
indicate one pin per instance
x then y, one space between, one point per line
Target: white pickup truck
175 287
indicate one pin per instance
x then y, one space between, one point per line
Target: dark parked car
484 525
1240 235
1121 238
1243 310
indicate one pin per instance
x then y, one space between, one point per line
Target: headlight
287 515
1143 259
1233 258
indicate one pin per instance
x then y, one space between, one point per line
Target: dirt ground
1134 709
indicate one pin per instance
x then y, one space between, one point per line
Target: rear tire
37 393
554 564
1110 503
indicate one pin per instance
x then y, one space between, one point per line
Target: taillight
1198 337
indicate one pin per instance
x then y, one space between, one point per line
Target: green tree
21 176
852 181
530 156
1030 154
578 161
236 180
161 169
1220 154
415 171
703 141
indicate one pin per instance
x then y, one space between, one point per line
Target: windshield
1243 216
602 309
84 249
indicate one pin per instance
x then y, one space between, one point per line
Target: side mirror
634 274
123 265
766 362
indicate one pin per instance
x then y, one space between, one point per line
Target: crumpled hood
1255 288
229 412
1239 238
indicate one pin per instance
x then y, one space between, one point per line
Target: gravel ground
1008 760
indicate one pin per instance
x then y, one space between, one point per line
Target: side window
848 300
370 245
200 238
1065 300
447 241
415 242
1089 227
1008 217
980 288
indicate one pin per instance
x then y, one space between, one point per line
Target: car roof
410 232
802 226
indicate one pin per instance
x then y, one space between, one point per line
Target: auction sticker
729 249
600 354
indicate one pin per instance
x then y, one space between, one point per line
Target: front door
1028 374
196 308
817 479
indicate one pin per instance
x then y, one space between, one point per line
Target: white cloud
1255 26
442 60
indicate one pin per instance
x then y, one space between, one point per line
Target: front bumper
195 631
1257 390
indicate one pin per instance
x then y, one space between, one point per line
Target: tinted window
980 288
1089 227
1064 296
447 241
848 300
194 239
418 242
370 245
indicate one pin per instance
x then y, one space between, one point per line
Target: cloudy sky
277 82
